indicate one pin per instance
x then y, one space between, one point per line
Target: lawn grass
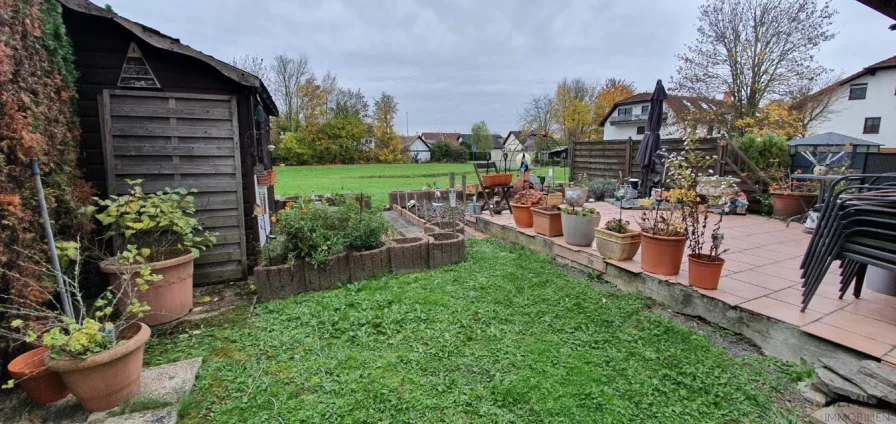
506 336
377 180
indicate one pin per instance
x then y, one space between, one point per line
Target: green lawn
506 336
378 180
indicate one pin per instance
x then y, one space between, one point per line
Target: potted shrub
617 241
547 221
704 269
166 235
521 207
97 350
663 241
601 188
790 197
579 224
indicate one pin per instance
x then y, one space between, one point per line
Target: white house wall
625 130
421 150
848 116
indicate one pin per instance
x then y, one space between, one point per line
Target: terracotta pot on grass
522 215
105 380
579 230
615 246
547 221
170 298
31 374
704 273
792 204
662 255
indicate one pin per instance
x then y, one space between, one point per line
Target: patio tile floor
762 275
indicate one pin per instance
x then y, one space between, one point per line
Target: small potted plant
96 349
704 269
617 241
166 235
663 240
790 197
576 194
521 207
579 224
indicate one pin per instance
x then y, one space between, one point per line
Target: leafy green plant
366 231
311 233
766 152
583 211
161 222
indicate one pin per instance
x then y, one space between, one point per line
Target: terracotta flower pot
792 204
703 273
170 298
579 230
522 215
40 384
547 221
105 380
662 255
615 246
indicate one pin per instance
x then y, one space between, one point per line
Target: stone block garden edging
410 254
364 265
434 227
447 248
401 255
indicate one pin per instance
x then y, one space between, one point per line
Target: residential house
864 105
519 147
628 117
432 137
416 148
368 143
497 144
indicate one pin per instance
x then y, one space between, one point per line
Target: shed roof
159 40
831 139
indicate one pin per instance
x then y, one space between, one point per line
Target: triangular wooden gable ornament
135 72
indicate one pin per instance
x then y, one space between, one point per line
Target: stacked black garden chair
857 226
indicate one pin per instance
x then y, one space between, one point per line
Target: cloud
450 63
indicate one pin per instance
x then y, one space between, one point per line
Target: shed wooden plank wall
100 47
147 136
609 158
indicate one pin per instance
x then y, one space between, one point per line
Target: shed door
182 140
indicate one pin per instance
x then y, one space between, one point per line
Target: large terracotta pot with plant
163 238
521 207
104 380
617 241
579 224
547 221
40 384
788 204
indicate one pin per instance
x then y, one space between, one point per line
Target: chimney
727 96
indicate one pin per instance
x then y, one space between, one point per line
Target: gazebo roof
831 139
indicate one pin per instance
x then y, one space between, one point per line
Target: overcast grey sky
452 63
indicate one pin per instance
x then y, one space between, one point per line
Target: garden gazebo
830 142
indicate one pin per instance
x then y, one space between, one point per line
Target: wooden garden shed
153 108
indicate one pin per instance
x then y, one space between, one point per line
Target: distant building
628 117
416 148
432 137
864 105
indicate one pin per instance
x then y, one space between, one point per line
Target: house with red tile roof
628 117
864 105
432 137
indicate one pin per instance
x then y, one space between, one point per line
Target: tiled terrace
762 275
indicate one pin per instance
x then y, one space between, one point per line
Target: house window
872 126
640 130
858 91
624 111
645 109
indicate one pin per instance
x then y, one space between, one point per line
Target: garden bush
443 151
601 188
315 233
769 152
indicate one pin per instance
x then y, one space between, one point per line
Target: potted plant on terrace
166 235
663 240
617 241
97 351
790 197
579 224
704 269
521 207
547 220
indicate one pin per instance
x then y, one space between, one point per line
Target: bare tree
287 75
539 115
346 101
254 65
758 50
815 101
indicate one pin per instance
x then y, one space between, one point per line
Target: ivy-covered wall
37 120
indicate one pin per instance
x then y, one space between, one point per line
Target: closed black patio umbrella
651 142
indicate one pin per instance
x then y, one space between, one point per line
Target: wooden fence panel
609 158
182 140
